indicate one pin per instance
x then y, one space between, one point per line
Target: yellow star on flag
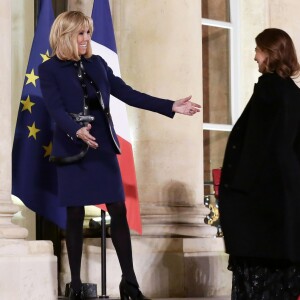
45 56
27 104
31 78
48 149
33 130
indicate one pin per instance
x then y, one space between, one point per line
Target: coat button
226 185
229 166
234 147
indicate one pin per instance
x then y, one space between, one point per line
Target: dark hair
280 50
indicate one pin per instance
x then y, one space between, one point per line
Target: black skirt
264 279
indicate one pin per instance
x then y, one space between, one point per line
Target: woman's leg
74 240
120 236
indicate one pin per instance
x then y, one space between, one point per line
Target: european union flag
33 176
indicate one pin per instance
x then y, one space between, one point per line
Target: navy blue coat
96 178
259 197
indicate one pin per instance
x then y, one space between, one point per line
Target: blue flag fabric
103 25
33 176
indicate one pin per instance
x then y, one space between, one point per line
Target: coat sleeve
54 103
134 98
263 117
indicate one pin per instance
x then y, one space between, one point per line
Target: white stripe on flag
117 107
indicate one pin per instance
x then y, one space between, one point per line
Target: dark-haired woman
259 193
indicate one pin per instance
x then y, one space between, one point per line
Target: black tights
74 240
120 236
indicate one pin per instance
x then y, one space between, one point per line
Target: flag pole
103 256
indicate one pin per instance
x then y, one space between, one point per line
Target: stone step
209 298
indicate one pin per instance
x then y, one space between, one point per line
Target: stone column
7 208
82 5
159 45
283 14
26 268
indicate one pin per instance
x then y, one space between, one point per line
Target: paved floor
212 298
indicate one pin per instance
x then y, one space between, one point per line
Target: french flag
104 44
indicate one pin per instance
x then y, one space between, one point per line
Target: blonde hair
64 32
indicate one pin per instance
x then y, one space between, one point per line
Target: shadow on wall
173 264
177 194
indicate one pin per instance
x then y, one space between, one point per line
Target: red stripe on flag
126 163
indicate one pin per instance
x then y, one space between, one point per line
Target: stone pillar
26 268
159 46
7 208
253 18
82 5
283 14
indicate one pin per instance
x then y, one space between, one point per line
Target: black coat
260 183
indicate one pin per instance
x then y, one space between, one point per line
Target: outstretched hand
186 107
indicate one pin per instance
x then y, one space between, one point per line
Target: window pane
216 79
214 143
216 10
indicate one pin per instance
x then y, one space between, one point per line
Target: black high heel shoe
129 291
76 296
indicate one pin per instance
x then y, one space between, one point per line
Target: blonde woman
76 86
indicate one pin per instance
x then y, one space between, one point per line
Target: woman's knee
117 209
75 213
